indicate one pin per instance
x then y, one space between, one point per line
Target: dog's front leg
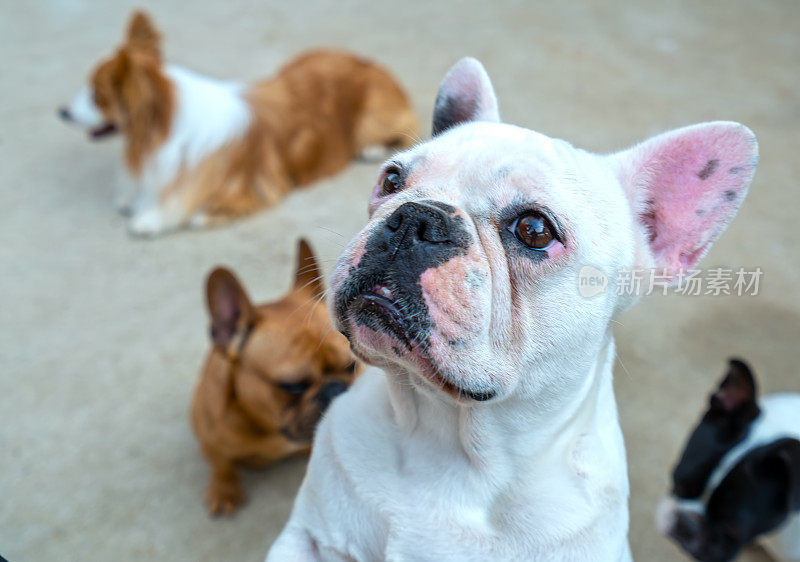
152 217
126 190
224 494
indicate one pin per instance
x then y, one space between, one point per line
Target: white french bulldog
492 431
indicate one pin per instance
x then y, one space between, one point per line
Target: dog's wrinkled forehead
480 167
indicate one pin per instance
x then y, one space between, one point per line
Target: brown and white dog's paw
151 222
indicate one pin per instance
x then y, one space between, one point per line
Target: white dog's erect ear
465 94
685 186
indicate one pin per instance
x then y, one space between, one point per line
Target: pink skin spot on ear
708 169
688 202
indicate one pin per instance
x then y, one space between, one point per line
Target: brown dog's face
128 92
290 361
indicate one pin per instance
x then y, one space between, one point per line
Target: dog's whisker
330 230
312 281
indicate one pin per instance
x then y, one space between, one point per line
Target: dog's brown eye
534 230
294 387
392 182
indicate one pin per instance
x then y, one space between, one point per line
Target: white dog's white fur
401 469
209 113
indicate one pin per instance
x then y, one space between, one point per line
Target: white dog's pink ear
685 186
465 94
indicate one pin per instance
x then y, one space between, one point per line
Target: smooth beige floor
101 335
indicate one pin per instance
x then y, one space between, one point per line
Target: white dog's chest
393 504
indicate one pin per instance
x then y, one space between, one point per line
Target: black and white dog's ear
465 94
737 390
782 464
790 455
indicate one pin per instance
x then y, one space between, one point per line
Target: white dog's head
466 274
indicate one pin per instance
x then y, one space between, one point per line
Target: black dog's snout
687 528
330 391
64 113
419 222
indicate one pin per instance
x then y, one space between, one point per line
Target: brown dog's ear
308 275
737 390
230 309
142 35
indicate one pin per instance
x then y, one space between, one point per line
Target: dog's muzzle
383 291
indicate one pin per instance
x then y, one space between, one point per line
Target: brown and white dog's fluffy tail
387 119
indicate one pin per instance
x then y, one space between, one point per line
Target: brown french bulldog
272 371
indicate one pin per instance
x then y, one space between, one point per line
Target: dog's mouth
378 309
103 131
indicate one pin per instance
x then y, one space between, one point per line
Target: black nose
330 391
64 113
427 222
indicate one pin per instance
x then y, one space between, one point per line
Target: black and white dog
738 477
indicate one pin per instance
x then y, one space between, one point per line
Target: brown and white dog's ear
685 186
465 94
737 391
229 307
308 275
142 35
147 99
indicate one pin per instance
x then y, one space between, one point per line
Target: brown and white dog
199 150
271 373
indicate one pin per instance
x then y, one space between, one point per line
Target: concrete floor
102 335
